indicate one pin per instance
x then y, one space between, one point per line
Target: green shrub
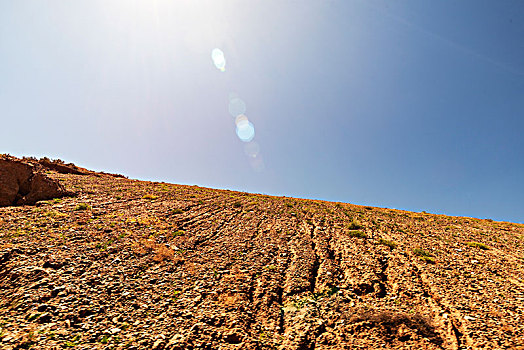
388 243
354 225
477 245
82 206
150 196
421 252
357 234
179 233
428 259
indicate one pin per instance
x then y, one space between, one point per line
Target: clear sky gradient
416 105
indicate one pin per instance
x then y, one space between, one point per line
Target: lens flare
257 164
252 149
219 59
240 119
236 106
245 130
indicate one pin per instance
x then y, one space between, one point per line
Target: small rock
177 342
115 330
158 344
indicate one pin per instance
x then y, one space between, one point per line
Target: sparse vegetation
421 252
424 255
82 206
178 233
428 259
354 225
388 243
477 245
270 268
357 234
150 197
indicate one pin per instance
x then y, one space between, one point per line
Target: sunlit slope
148 265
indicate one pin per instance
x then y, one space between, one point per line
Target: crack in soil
384 263
428 292
281 326
316 262
456 332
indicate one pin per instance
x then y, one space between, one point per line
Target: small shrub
103 245
150 197
421 252
177 211
237 204
163 253
354 225
270 268
82 206
428 259
388 243
179 233
477 245
357 234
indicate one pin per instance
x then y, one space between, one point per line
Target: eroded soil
142 265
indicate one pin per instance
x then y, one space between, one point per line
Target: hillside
118 263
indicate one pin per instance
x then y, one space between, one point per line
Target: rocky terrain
108 262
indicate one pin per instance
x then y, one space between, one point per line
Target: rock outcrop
24 183
63 168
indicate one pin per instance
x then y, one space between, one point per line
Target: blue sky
416 105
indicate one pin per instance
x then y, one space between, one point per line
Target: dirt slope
142 265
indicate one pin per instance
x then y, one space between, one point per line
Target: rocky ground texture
126 264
